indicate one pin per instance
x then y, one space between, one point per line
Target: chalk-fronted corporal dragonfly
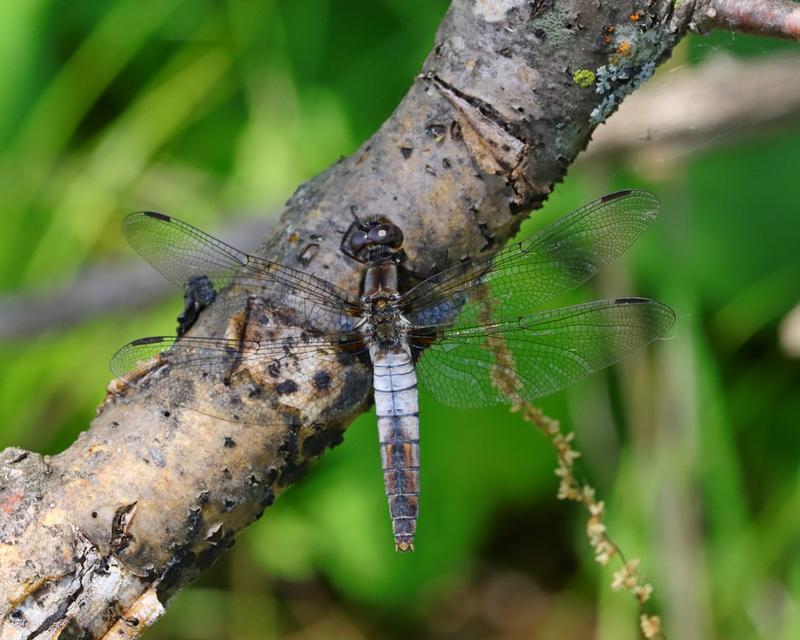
472 335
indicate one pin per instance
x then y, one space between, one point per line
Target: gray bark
94 541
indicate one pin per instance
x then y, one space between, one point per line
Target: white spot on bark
457 43
494 10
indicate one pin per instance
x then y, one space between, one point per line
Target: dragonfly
472 335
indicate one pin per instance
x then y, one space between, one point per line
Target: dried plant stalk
628 577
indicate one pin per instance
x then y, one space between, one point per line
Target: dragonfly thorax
384 324
382 301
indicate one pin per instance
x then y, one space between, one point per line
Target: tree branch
151 494
789 333
693 109
775 18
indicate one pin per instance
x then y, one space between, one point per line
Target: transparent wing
184 255
241 374
536 355
208 355
528 274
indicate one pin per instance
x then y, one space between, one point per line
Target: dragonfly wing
242 375
187 256
536 355
528 274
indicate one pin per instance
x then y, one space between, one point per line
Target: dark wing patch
158 216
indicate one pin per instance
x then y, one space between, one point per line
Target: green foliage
200 109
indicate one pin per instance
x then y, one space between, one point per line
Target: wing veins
633 210
159 238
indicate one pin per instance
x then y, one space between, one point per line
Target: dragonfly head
373 240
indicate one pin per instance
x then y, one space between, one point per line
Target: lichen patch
633 59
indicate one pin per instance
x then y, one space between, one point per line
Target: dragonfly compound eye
386 234
359 240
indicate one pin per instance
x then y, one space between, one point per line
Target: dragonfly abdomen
397 408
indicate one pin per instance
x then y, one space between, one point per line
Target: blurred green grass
210 109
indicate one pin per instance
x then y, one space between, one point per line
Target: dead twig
628 577
774 18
